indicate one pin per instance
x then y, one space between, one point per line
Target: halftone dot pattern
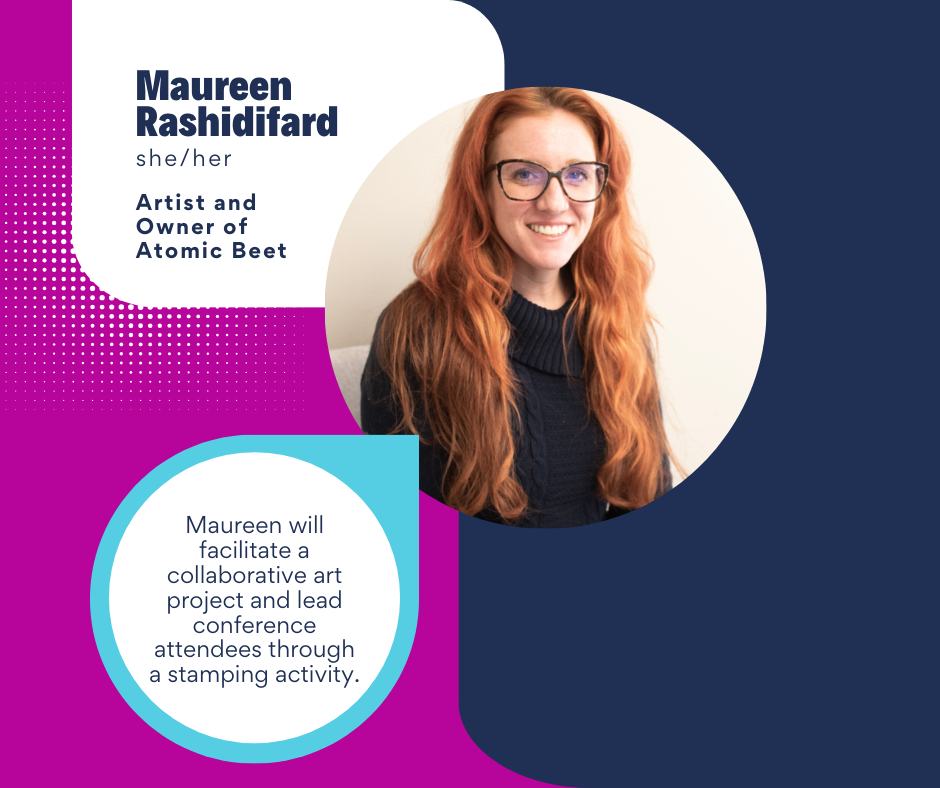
68 344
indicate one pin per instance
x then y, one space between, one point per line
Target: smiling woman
522 354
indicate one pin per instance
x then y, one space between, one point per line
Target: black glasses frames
594 181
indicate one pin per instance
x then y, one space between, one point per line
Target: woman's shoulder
379 410
389 373
407 316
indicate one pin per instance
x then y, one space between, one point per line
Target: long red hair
444 340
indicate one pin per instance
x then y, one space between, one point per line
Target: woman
522 355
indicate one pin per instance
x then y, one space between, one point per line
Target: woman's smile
552 230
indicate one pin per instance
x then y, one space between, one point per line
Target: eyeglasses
526 180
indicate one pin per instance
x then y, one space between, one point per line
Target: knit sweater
559 447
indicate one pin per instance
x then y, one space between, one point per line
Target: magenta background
87 422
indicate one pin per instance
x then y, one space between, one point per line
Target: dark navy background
773 621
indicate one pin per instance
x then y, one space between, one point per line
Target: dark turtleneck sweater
559 447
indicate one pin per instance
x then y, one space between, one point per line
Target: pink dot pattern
69 345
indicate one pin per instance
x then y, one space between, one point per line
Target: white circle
356 608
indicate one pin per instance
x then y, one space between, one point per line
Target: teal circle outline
382 470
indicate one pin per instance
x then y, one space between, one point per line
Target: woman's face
543 234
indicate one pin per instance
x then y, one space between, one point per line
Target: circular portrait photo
559 294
